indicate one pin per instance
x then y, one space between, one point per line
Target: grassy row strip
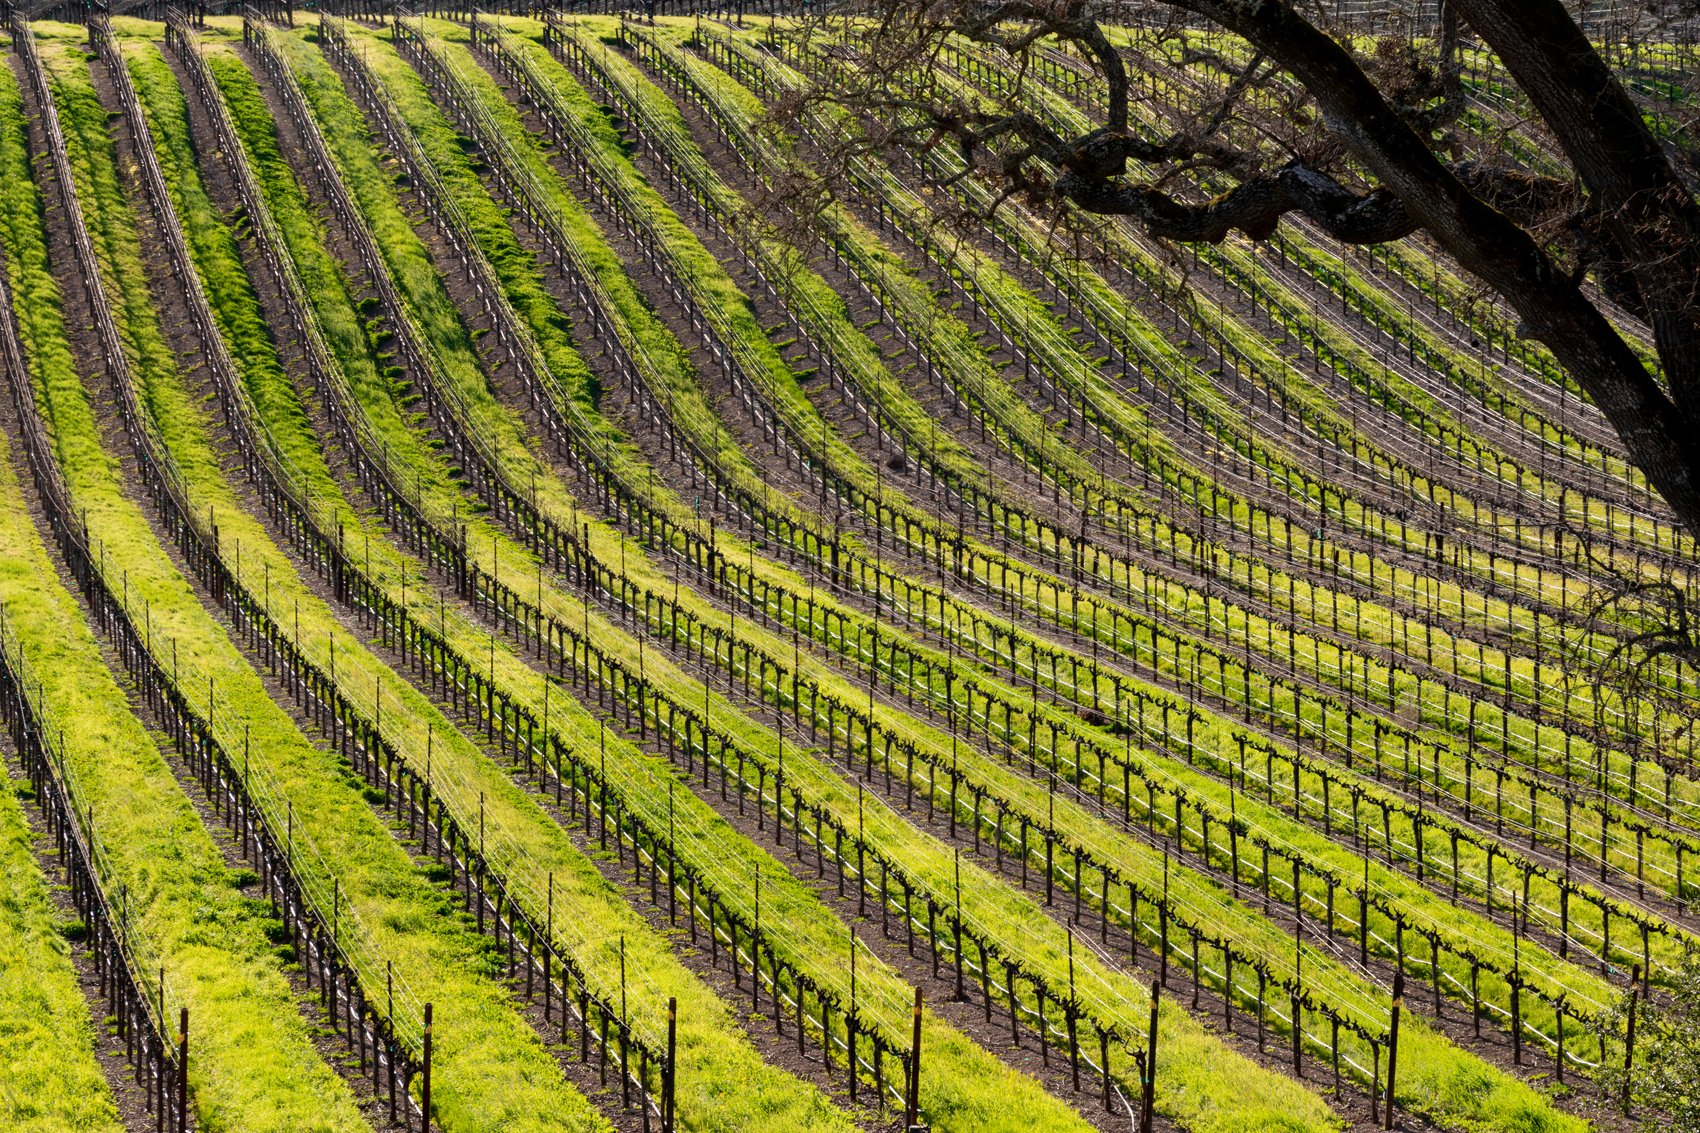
755 785
1219 831
255 1068
681 816
594 919
53 1079
777 666
377 886
1031 323
1311 715
640 655
1445 715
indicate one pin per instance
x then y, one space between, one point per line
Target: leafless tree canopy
1300 106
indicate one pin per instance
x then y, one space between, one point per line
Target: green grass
1444 1055
53 1080
713 1054
255 1067
1003 914
730 862
1296 834
212 244
405 918
1301 711
735 725
1201 1054
1203 1086
1382 627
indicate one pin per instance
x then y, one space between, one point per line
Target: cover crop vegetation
1088 621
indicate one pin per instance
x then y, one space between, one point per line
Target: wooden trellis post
912 1105
1393 1042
